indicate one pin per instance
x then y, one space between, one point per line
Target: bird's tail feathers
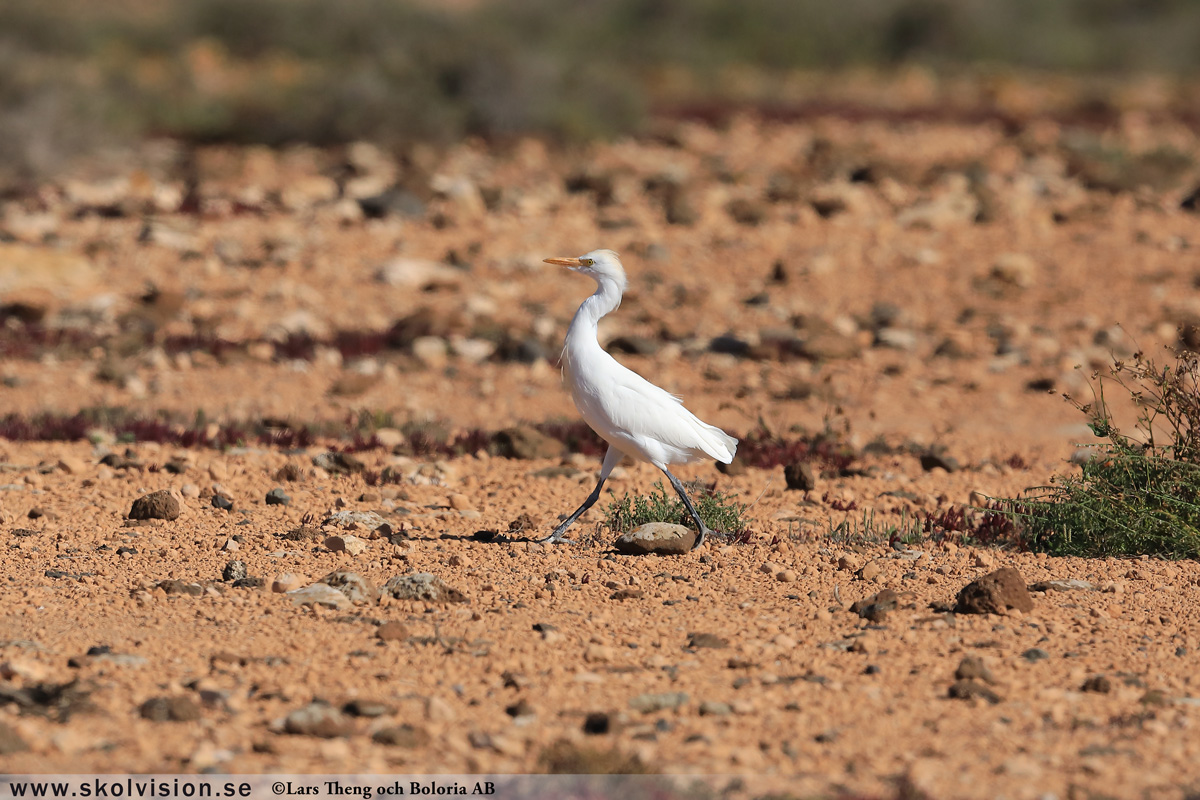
718 444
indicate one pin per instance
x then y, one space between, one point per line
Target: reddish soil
919 287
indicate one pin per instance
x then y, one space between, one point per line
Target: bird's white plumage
626 410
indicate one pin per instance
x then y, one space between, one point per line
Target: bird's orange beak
573 263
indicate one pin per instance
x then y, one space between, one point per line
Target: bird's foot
704 532
556 538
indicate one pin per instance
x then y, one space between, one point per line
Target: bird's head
602 266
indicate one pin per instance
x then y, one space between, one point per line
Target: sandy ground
919 286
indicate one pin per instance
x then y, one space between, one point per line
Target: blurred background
77 77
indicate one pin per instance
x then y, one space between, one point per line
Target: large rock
356 588
527 443
656 538
357 521
995 593
423 586
156 505
319 594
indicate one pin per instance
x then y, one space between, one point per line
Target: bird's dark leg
611 459
691 509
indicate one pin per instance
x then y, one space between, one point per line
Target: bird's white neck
605 300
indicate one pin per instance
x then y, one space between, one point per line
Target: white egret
635 417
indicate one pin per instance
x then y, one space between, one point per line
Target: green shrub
1136 494
718 510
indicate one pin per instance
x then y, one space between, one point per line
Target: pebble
710 708
871 571
706 640
286 582
800 476
391 631
650 702
972 667
10 741
346 543
277 497
235 571
970 689
403 735
170 709
318 719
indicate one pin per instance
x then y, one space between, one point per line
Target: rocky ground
309 354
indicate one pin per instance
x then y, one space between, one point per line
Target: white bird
635 417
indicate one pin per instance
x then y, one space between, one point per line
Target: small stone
1155 697
969 689
235 571
800 476
1035 654
357 521
338 463
1015 269
527 443
432 351
656 538
870 571
318 719
276 497
10 742
995 593
391 631
170 709
156 505
173 586
932 461
72 465
30 671
346 543
706 640
319 594
1097 683
786 576
422 586
460 502
367 708
650 702
521 708
597 723
404 735
971 668
710 708
876 607
286 582
222 502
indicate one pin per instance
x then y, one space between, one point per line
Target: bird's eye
586 262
